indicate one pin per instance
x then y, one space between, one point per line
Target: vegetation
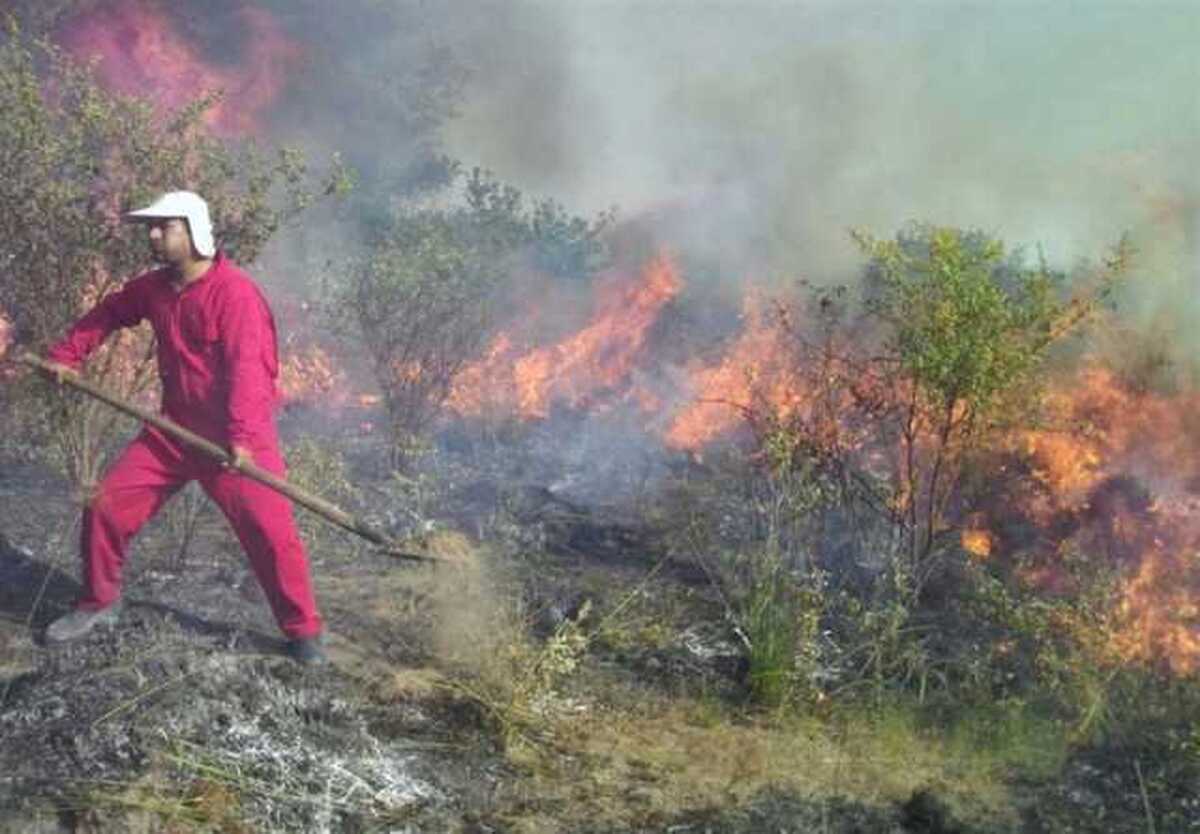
967 329
419 301
802 619
73 157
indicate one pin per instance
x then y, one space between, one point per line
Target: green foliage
1059 649
781 617
554 241
73 157
751 529
769 613
902 395
967 328
966 324
419 301
1053 658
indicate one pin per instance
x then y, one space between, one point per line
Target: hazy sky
764 129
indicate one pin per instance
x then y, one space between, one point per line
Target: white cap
186 205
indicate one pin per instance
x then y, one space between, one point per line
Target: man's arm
123 308
245 327
61 372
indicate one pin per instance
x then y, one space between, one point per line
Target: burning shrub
881 408
967 331
944 354
419 302
72 158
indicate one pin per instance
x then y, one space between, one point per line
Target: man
217 360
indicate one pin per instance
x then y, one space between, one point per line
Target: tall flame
140 51
1110 439
593 363
1158 617
754 368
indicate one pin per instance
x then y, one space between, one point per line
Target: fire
594 363
5 335
481 388
307 376
140 51
1108 446
1112 473
1159 616
7 370
1107 428
977 539
754 368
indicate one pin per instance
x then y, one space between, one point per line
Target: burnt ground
186 714
185 717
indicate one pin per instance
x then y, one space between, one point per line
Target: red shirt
217 351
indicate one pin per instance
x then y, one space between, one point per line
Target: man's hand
241 457
61 373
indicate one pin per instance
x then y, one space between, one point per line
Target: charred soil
568 673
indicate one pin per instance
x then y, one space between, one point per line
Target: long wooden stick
311 502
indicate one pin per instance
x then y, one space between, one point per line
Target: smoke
748 135
757 133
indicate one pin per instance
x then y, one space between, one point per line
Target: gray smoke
758 132
751 135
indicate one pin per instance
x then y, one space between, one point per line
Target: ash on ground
154 700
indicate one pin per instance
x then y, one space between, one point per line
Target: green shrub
419 301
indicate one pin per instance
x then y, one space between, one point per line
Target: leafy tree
73 157
904 387
419 301
967 330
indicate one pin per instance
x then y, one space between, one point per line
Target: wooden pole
311 502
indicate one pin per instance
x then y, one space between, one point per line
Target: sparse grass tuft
203 805
318 467
516 681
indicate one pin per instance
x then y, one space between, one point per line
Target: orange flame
976 539
141 52
755 366
1108 440
1158 617
1102 428
307 376
5 335
594 363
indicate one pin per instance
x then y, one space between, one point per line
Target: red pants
150 471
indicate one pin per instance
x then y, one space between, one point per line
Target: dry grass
154 805
609 758
420 684
618 768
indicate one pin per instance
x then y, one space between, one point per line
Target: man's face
169 240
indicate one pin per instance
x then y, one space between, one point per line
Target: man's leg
133 489
263 522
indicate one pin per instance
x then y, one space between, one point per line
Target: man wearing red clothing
217 359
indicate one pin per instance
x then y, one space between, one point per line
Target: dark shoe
307 651
81 622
